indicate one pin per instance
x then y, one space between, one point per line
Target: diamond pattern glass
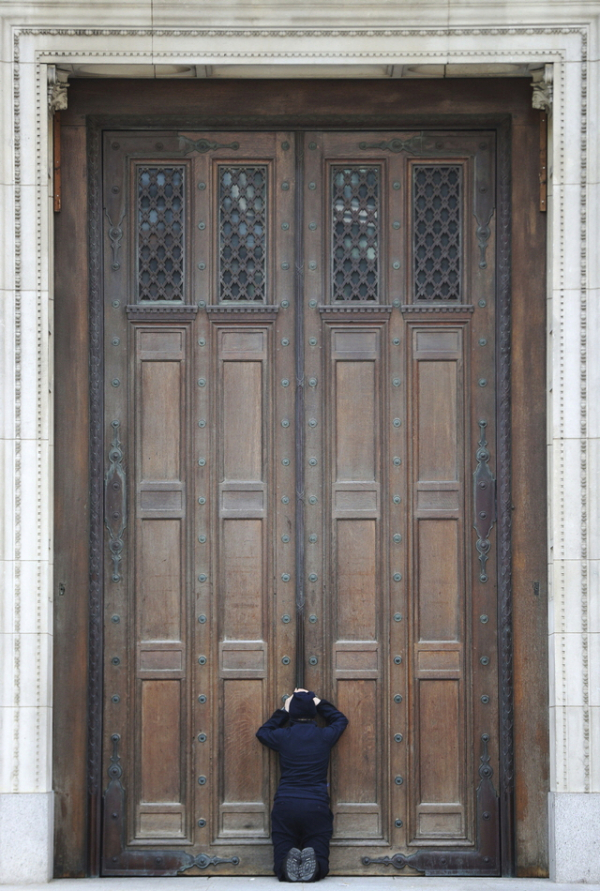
243 233
355 233
160 215
437 246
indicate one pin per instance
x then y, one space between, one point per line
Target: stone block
26 830
574 819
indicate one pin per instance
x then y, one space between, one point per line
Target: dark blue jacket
303 750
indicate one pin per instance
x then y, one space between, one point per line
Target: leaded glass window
160 236
243 233
437 236
355 233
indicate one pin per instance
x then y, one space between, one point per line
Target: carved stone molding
542 86
58 85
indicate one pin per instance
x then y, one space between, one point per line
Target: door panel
158 701
300 406
355 652
441 803
243 555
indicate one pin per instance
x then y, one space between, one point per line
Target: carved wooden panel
160 391
356 545
147 655
440 800
242 453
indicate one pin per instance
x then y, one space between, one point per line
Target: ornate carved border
96 592
295 34
16 729
583 410
504 498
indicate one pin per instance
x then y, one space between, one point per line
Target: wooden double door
300 441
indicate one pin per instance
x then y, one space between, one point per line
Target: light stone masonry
300 37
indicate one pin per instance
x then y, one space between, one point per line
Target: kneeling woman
301 821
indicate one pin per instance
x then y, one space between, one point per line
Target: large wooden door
300 404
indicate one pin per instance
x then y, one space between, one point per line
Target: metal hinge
484 501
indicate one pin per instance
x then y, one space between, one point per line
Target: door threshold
334 883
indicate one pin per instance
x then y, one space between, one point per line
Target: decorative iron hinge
115 771
115 502
399 861
484 200
483 232
115 236
203 861
484 498
202 146
412 146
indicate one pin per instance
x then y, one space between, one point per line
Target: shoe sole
291 865
308 865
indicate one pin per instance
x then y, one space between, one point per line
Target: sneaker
291 865
308 865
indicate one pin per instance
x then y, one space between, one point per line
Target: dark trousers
301 823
